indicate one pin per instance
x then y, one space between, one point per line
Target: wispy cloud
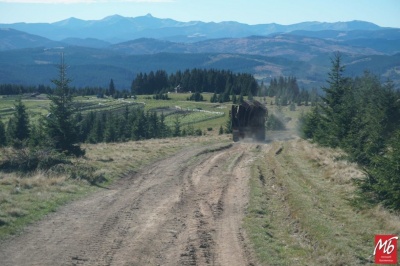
81 1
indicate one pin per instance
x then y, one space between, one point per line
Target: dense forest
12 89
195 80
361 116
226 86
159 82
111 90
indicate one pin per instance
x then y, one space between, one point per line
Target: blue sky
382 12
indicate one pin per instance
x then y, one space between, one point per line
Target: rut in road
184 210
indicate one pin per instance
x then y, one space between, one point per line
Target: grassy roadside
24 200
300 210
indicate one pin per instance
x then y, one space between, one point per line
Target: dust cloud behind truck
248 121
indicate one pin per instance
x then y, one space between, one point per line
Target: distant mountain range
115 29
118 47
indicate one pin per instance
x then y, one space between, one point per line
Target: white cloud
81 1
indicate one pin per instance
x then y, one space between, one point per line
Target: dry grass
117 159
303 215
24 199
38 179
336 169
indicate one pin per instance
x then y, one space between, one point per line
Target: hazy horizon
383 13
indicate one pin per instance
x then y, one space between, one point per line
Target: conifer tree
111 88
18 126
333 103
163 127
177 126
59 124
2 134
383 178
228 126
110 132
38 136
221 130
97 131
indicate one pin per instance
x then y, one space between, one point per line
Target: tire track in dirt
184 210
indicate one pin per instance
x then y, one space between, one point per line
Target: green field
200 115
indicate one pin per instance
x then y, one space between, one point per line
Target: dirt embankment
184 210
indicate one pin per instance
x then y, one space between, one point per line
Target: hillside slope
95 67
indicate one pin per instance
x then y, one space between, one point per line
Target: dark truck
248 121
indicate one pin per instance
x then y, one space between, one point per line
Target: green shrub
275 123
79 171
30 159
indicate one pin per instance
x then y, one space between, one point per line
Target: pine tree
333 108
2 134
228 125
97 131
18 126
163 131
221 130
139 129
384 177
110 131
111 88
59 124
214 98
38 136
177 126
310 123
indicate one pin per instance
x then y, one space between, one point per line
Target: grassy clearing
214 115
25 199
300 210
36 107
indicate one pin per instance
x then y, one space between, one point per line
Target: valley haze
120 47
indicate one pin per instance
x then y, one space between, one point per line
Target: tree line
127 124
195 80
12 89
287 92
361 116
225 85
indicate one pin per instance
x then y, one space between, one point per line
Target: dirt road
184 210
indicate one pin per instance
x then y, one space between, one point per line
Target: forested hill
120 48
95 67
